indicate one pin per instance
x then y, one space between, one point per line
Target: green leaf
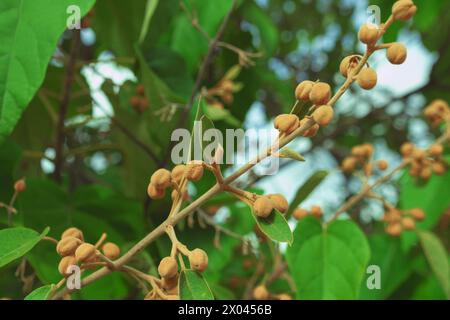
437 258
433 197
16 242
41 293
305 190
275 227
328 263
149 11
28 42
193 286
395 265
291 154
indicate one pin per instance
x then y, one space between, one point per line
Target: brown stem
64 106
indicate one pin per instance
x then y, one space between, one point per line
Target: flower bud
359 151
155 193
404 10
419 154
426 173
170 284
73 232
397 53
303 90
261 293
135 101
408 223
316 211
20 185
198 260
140 89
382 165
168 267
67 246
111 250
279 202
406 149
284 296
161 179
349 164
323 115
367 78
194 171
177 173
263 207
436 150
85 252
65 263
367 150
299 213
320 93
368 34
417 213
438 168
286 123
394 229
347 65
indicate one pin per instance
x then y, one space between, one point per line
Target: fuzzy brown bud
408 223
198 260
286 123
323 115
263 207
406 149
73 232
279 202
368 33
394 229
349 164
168 267
303 90
347 65
299 213
111 250
404 10
316 211
397 53
382 165
85 252
67 246
161 179
194 171
417 213
320 93
177 173
436 150
367 78
20 185
155 193
65 263
261 293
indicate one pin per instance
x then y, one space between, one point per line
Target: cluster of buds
168 271
139 102
361 158
75 251
315 211
424 162
223 92
163 179
260 292
264 205
398 221
437 112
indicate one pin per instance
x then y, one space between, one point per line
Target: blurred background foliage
111 150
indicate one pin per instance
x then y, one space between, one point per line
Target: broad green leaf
433 197
437 258
305 190
275 227
291 154
16 242
328 262
30 32
193 286
41 293
395 266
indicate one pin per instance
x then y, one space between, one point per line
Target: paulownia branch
173 219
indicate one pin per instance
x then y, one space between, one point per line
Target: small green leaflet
41 293
193 286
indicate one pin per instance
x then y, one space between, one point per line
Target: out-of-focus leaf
28 42
437 258
291 154
330 262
